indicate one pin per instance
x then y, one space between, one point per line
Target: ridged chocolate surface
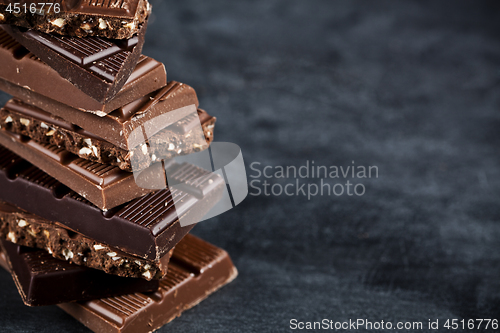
141 104
122 8
196 270
186 177
106 186
109 68
97 66
16 50
44 280
20 67
29 230
147 227
83 51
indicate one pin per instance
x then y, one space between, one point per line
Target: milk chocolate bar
43 280
197 269
22 69
97 66
39 125
147 227
117 126
3 261
117 19
23 228
105 186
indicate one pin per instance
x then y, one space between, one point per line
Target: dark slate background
412 88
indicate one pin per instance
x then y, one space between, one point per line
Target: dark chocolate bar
43 127
197 269
97 66
26 229
22 69
43 280
105 186
110 18
147 227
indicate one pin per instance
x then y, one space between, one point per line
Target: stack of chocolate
88 220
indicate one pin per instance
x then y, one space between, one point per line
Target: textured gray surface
409 87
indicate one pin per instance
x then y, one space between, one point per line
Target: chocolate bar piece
22 69
43 280
117 126
39 125
26 229
105 186
147 227
118 19
197 269
98 67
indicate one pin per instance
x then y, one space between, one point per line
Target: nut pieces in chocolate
97 190
114 19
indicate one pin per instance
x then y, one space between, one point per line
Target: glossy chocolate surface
22 70
99 67
105 186
197 269
43 127
117 126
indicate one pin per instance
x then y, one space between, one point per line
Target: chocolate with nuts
117 126
105 186
197 269
45 128
44 280
23 228
147 227
114 19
